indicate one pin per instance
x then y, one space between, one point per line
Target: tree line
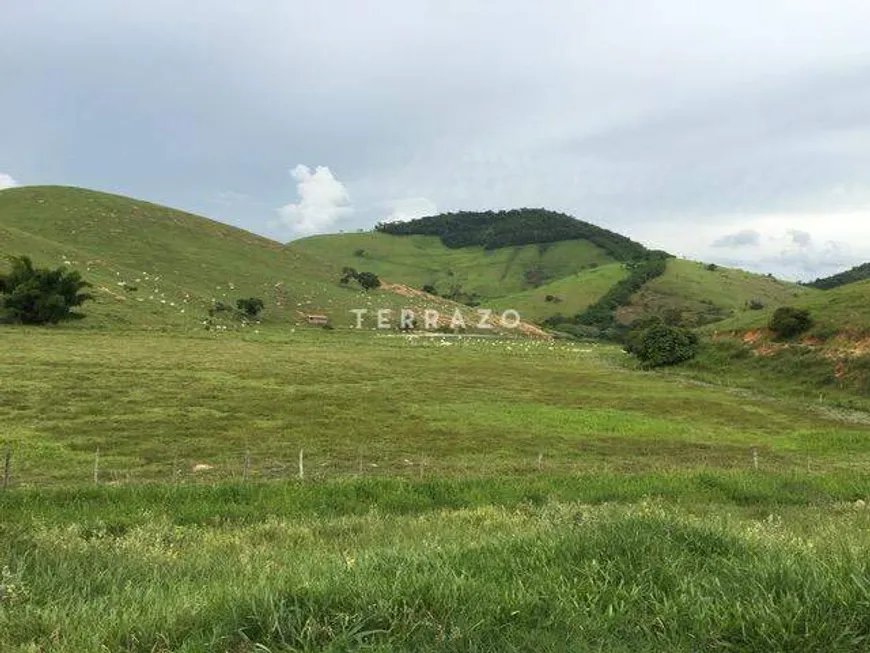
495 229
858 273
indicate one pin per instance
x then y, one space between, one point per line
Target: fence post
301 466
7 467
97 467
755 457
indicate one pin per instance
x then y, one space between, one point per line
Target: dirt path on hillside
444 319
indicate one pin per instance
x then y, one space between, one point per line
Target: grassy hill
573 274
421 260
831 360
700 294
158 268
840 312
289 489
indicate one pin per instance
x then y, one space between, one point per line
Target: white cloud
743 238
6 181
792 246
323 200
410 208
800 238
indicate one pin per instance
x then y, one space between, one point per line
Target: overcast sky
735 132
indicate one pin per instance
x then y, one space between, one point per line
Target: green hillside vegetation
842 312
608 507
277 488
567 296
694 294
495 229
158 268
830 360
858 273
573 274
423 260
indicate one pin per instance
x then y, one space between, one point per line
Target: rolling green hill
699 294
423 260
290 489
841 312
858 273
572 273
831 359
158 268
516 227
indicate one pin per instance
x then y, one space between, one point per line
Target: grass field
155 405
458 494
727 561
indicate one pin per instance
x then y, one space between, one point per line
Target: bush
250 306
755 305
430 289
31 295
660 344
788 321
368 280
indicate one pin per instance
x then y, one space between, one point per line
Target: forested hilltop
494 229
858 273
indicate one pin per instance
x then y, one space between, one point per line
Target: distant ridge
495 229
858 273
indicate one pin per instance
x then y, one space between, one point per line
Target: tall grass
461 565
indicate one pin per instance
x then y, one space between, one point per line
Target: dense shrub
250 306
368 280
30 295
788 321
659 344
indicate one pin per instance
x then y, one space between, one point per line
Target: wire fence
23 468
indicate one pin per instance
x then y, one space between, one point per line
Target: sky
735 133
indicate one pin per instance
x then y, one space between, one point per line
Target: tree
660 344
368 280
30 295
787 321
250 306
